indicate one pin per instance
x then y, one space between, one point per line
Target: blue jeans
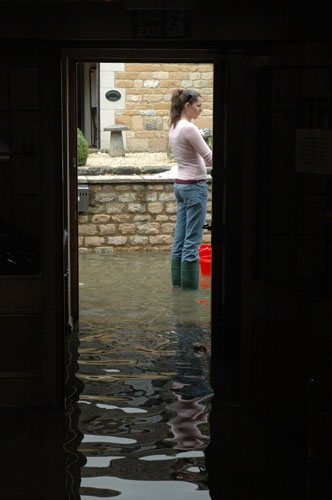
191 202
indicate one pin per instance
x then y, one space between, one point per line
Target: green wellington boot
190 275
176 272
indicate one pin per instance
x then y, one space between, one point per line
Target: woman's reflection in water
190 414
189 426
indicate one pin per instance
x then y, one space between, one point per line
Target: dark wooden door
31 230
286 259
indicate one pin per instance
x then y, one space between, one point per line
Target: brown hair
178 101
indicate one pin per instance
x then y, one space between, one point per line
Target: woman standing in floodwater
190 187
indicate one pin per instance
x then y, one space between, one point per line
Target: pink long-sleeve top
190 150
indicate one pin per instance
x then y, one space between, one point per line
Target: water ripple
144 361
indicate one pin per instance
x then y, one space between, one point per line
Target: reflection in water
144 351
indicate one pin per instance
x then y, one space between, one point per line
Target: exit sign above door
161 24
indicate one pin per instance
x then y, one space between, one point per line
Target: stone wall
144 106
129 214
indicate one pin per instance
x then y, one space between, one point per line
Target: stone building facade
129 213
143 106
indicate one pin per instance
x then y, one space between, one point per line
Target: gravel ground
130 160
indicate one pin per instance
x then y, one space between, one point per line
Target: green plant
82 148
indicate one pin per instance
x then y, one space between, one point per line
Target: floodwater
144 362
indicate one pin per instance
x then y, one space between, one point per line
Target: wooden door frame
70 56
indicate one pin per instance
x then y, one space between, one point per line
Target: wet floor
143 420
144 361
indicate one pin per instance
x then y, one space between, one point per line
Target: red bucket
205 259
204 250
205 264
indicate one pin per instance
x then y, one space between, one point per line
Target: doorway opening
145 347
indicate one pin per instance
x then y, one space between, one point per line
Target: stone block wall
126 214
144 106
